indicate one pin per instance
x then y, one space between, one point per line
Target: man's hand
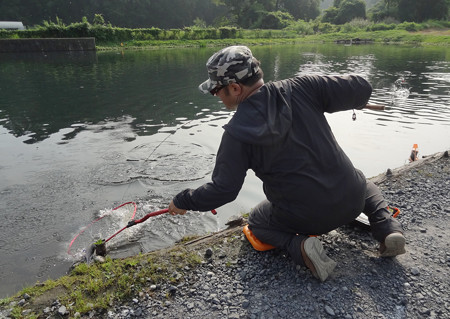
174 210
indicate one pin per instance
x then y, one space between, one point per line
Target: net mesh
106 223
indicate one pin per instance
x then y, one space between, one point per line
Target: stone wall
47 45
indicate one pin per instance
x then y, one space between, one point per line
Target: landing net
108 222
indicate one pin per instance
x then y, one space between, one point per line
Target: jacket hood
265 117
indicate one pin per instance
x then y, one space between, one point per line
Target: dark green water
81 133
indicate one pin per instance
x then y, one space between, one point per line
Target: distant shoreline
137 39
430 37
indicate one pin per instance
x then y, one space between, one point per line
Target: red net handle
143 219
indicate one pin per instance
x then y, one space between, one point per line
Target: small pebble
415 271
329 310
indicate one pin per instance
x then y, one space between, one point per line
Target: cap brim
206 86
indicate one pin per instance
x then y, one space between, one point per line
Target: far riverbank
429 37
114 38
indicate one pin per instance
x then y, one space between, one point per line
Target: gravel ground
235 281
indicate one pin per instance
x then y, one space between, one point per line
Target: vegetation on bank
100 285
299 31
247 14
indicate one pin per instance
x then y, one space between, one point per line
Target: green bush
360 24
381 27
301 27
98 19
325 27
409 26
7 34
228 33
107 34
436 24
81 29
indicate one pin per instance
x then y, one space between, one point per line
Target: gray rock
62 310
208 253
415 271
329 310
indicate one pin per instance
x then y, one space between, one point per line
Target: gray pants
268 231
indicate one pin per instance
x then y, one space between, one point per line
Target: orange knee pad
256 243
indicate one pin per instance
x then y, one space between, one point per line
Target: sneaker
394 244
315 259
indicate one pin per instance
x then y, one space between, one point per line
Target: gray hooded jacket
281 133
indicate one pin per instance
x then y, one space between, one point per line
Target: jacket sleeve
337 93
227 178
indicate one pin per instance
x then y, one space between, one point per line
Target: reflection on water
191 164
84 133
412 93
39 98
55 91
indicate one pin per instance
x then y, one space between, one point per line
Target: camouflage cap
231 64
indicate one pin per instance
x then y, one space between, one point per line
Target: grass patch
97 286
388 36
155 44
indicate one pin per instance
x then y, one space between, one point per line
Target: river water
81 133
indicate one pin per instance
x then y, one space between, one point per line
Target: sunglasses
216 90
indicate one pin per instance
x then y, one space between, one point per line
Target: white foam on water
107 222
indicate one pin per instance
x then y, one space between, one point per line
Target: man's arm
336 93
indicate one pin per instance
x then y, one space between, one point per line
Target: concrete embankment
47 45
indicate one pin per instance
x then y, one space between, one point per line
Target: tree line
248 14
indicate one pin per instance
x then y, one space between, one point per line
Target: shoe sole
394 245
316 260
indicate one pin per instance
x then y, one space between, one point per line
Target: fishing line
156 148
131 206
